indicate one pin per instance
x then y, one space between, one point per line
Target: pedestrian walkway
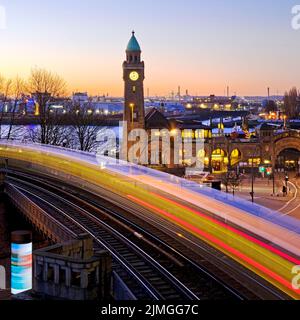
263 192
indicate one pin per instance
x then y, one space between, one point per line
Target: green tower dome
133 44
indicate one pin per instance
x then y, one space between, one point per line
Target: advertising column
21 261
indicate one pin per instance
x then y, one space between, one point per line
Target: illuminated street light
131 105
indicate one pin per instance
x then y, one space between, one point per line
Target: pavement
292 207
263 194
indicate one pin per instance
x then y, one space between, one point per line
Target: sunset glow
201 45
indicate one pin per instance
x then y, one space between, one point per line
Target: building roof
192 125
156 120
268 126
133 44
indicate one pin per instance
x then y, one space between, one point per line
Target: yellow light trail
271 266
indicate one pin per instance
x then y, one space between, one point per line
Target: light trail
265 229
226 226
220 244
145 184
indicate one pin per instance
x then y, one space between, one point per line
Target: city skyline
201 46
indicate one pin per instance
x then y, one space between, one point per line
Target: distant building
80 97
106 108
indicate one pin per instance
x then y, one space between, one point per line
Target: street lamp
273 177
285 122
132 108
252 174
286 182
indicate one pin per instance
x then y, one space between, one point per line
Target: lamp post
132 113
252 174
286 182
285 122
273 172
252 181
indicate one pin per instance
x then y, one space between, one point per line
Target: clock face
134 76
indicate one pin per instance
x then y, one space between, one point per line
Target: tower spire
133 75
133 44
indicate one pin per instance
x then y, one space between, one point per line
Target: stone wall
72 271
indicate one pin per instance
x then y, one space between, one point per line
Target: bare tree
292 103
54 131
5 90
18 89
44 86
225 181
82 124
234 181
231 180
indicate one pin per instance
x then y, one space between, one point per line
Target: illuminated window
219 153
256 161
200 134
203 134
134 89
219 160
188 134
221 126
235 157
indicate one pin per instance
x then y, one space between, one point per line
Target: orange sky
202 46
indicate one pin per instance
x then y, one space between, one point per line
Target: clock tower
133 75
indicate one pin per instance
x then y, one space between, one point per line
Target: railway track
157 283
167 260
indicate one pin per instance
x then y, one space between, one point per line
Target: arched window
235 157
219 160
